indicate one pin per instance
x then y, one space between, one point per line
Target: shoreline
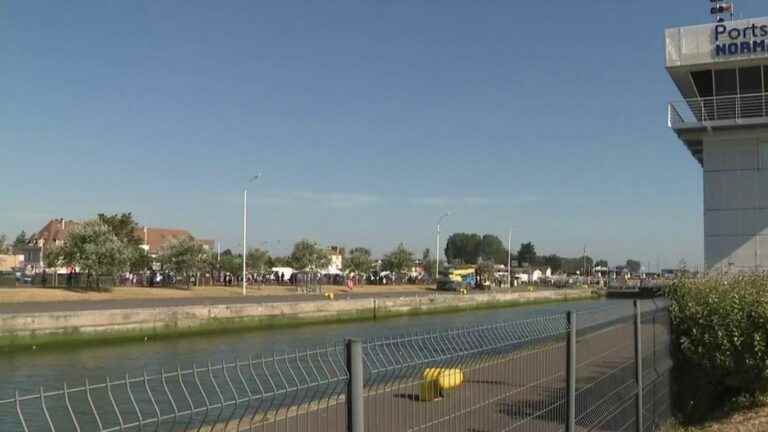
31 331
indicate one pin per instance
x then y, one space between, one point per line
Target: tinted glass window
725 82
703 82
750 80
750 89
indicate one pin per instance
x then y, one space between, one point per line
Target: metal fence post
639 367
571 372
354 402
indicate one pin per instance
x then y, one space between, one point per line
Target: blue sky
368 119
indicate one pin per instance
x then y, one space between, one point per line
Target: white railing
719 110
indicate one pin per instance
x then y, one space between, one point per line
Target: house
55 232
11 262
336 253
154 239
52 234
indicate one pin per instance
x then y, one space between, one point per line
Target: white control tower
721 70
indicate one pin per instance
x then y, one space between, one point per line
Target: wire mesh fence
560 372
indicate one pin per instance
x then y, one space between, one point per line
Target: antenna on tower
720 7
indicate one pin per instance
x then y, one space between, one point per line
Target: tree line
472 248
109 245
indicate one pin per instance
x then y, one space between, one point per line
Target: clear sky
368 119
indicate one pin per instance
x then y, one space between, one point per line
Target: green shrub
720 331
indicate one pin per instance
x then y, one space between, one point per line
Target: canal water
28 371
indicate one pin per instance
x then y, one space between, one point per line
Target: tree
257 260
184 256
486 270
308 255
232 264
123 226
601 263
359 261
398 261
581 265
283 261
93 248
463 248
492 249
138 260
634 266
21 240
554 262
4 248
526 254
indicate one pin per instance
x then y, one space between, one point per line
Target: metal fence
732 108
604 369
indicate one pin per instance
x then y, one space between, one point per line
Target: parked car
23 278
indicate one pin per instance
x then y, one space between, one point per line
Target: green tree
94 249
21 240
123 226
54 256
601 263
526 254
428 263
359 261
486 270
184 256
138 259
281 261
463 248
232 264
554 262
257 260
4 248
579 265
125 229
308 255
492 249
634 266
398 261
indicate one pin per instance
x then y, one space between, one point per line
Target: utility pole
245 226
509 260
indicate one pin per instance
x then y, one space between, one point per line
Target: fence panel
296 391
508 376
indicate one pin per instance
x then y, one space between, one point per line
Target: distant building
52 234
336 253
11 262
55 232
154 239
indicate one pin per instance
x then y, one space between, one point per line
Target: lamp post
245 224
509 260
437 245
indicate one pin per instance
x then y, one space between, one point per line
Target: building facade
721 71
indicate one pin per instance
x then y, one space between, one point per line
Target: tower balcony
718 112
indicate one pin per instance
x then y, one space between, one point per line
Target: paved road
71 306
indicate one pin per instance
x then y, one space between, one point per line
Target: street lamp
245 224
509 260
437 245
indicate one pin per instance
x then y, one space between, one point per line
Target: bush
720 331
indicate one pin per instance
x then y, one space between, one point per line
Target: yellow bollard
437 381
